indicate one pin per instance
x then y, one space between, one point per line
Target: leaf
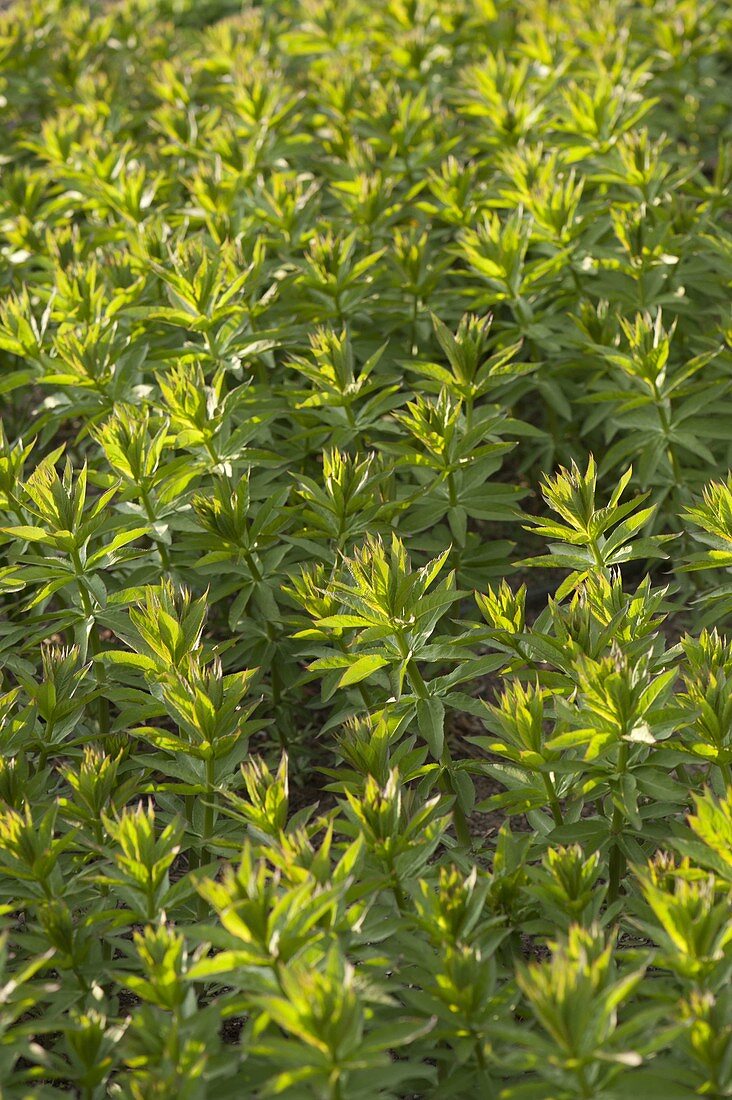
236 961
122 657
591 834
431 722
28 534
342 622
122 538
362 668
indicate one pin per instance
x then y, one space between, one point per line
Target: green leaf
431 722
361 668
28 534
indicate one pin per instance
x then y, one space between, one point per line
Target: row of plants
366 702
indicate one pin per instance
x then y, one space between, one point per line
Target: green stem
253 567
575 278
452 493
413 326
211 452
460 821
339 311
598 558
83 594
666 429
396 889
616 868
553 799
584 1083
617 859
150 513
209 820
209 813
101 677
479 1055
94 645
46 746
194 857
416 680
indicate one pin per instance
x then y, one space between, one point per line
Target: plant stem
553 799
584 1083
47 743
617 859
416 680
396 889
194 857
459 819
209 812
253 567
150 513
209 820
94 645
479 1055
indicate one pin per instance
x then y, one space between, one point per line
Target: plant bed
366 702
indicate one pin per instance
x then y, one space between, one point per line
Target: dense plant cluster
366 709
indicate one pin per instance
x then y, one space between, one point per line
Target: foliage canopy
366 706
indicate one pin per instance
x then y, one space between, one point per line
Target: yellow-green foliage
366 527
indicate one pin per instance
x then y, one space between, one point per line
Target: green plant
361 734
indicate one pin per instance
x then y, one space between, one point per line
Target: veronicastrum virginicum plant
311 783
